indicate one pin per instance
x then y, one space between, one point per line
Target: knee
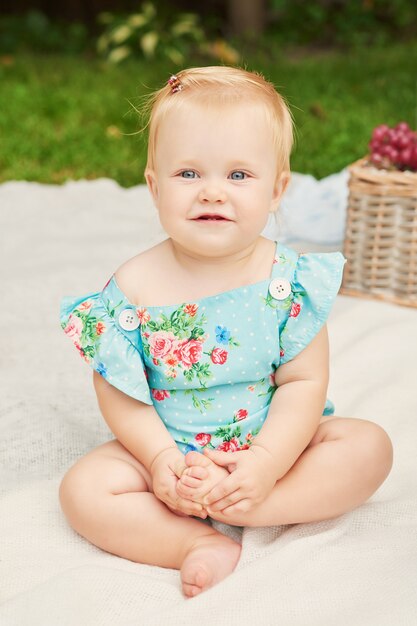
76 494
376 451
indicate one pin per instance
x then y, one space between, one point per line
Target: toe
190 590
196 458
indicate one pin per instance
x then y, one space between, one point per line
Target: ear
152 183
281 183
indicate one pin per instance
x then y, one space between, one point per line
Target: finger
242 506
179 468
220 457
188 506
188 492
225 502
221 490
189 481
196 472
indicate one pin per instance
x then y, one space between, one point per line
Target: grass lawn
67 117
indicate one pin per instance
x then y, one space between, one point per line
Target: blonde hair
217 86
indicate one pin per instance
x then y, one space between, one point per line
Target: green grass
55 111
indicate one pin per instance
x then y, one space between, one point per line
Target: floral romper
208 365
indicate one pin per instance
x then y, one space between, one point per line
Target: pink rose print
100 328
81 351
85 306
170 373
74 326
251 388
191 309
203 439
229 446
188 351
281 353
244 447
143 315
272 382
219 356
295 309
249 437
160 343
239 415
160 394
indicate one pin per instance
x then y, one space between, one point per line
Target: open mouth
212 218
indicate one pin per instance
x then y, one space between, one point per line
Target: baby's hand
252 478
165 470
200 477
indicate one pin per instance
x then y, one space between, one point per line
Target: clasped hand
166 470
227 482
216 482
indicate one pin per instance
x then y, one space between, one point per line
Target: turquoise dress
208 365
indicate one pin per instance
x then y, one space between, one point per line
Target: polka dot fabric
208 365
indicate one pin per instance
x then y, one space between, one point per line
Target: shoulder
136 275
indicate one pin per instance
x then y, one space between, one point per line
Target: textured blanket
359 569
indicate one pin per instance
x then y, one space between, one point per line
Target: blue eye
185 173
240 177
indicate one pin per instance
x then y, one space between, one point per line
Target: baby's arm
293 418
140 430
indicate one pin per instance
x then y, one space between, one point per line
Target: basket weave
381 235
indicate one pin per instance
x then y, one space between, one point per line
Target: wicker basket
381 235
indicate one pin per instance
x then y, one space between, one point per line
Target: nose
212 194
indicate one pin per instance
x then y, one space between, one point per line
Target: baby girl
210 351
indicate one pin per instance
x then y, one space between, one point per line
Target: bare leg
107 498
344 464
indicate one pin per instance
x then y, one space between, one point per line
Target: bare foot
210 559
201 475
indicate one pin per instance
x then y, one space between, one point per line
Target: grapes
394 148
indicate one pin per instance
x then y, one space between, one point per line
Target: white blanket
359 569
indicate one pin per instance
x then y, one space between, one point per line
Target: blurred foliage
342 22
69 117
159 33
160 29
36 32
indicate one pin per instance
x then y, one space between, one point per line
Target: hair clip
175 83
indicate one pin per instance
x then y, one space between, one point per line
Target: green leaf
149 10
174 55
185 25
137 20
120 34
196 332
223 432
149 42
105 18
103 43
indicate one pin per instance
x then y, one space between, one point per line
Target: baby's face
215 179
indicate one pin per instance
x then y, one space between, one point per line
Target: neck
208 267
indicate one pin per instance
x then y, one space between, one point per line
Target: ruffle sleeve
314 286
92 322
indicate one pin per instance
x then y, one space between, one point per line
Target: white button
279 288
128 319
